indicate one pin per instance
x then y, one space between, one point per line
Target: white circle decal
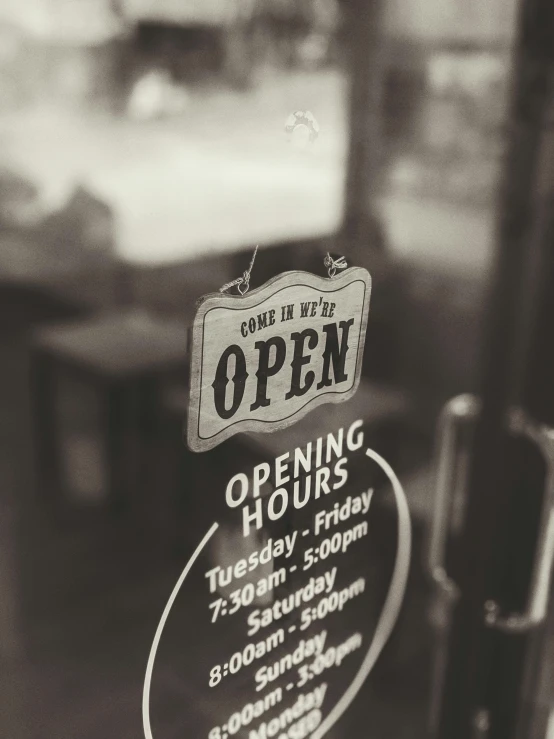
385 626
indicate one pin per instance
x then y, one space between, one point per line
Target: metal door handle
537 601
455 412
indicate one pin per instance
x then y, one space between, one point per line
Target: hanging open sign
262 361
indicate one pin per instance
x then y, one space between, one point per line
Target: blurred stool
91 534
96 387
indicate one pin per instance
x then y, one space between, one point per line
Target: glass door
381 566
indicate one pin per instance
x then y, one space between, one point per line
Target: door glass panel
148 147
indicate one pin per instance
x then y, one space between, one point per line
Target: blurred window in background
174 114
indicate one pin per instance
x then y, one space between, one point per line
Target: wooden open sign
262 361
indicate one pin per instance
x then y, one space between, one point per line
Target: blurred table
373 404
380 407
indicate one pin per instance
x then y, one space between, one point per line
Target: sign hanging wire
241 283
334 264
